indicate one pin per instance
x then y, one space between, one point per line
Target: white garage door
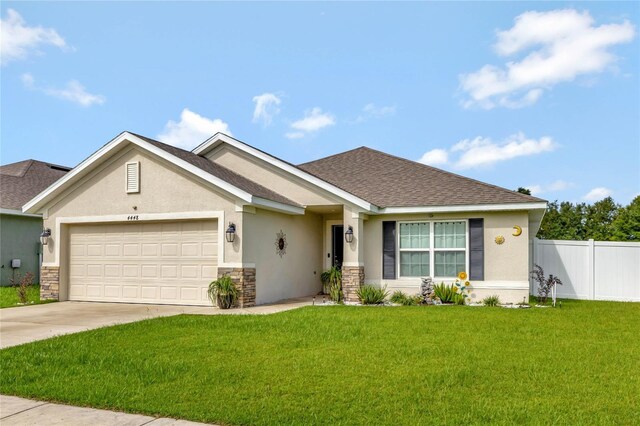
161 262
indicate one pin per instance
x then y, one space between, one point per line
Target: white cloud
481 151
558 185
17 40
561 45
313 121
191 130
377 111
484 152
597 194
72 92
435 157
266 108
294 135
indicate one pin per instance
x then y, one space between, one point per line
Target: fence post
535 259
591 262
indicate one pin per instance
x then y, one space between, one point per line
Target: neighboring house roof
221 172
389 181
21 181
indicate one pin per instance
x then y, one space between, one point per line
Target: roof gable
389 181
223 178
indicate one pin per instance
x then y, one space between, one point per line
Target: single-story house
140 221
20 232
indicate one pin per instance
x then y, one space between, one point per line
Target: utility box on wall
15 263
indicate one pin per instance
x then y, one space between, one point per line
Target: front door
337 247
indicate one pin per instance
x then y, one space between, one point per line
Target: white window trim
126 177
432 249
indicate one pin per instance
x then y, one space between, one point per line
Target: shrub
402 299
223 292
491 300
370 295
22 284
461 290
332 283
444 292
545 285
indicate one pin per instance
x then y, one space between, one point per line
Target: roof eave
464 208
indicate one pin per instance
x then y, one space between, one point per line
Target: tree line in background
603 220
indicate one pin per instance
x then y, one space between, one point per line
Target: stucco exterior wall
296 273
273 178
505 266
19 239
163 189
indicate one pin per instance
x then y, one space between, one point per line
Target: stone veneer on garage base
245 281
352 280
50 283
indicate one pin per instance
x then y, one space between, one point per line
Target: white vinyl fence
592 270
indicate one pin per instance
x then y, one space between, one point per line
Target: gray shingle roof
221 172
21 181
389 181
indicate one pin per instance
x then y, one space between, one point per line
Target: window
133 177
414 249
450 243
436 249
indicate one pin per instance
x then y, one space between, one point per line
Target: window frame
432 249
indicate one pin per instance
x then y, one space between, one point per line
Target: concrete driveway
30 323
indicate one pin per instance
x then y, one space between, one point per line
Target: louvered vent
133 177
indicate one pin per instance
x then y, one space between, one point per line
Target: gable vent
133 177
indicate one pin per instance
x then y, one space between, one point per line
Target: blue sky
542 95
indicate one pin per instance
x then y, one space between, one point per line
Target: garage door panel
170 262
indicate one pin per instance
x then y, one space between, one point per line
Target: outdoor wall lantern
231 232
44 237
348 235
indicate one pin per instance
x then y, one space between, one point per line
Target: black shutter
389 250
476 249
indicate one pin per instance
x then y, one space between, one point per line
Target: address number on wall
134 217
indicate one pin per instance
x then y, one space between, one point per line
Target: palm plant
545 284
332 283
223 292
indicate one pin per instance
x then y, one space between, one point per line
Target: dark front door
337 248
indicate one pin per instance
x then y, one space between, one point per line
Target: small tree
545 284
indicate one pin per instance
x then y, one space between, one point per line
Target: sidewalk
20 411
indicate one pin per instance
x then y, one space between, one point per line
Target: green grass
9 296
351 365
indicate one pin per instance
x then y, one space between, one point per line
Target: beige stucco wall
506 265
271 177
295 274
163 189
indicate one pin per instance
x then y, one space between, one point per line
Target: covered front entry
152 262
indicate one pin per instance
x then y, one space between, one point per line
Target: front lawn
351 365
9 296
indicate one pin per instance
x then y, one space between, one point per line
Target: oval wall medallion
281 243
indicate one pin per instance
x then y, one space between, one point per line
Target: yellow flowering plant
461 288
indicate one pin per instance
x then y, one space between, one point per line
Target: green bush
370 295
445 293
402 299
223 292
491 300
332 283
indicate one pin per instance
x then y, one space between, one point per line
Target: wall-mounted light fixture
348 234
231 232
44 237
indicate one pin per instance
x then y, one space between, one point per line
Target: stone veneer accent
352 280
245 280
50 283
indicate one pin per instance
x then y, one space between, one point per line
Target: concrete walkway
26 324
20 411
